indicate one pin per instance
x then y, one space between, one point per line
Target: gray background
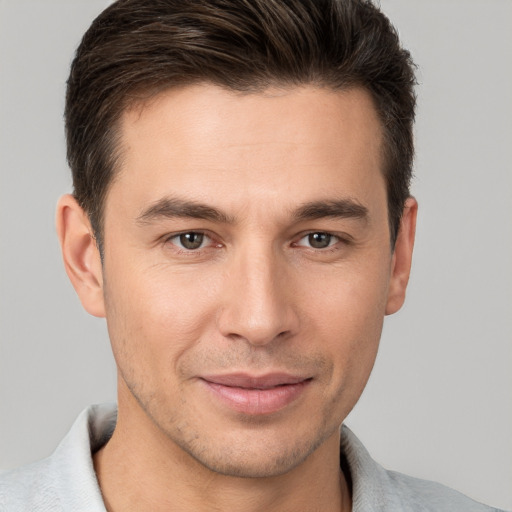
439 403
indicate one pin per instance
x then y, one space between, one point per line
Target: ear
402 257
80 254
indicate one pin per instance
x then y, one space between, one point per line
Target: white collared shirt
66 481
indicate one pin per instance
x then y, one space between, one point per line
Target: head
136 49
244 167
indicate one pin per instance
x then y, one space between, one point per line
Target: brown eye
189 241
319 240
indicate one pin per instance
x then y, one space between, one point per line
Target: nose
259 301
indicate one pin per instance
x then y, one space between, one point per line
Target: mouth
256 395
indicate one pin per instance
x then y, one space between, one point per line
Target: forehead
297 114
287 142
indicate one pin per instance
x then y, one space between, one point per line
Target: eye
190 241
318 240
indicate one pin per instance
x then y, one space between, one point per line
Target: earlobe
402 257
80 254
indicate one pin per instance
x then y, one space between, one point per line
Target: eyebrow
171 207
338 209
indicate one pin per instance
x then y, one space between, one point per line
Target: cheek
154 316
347 315
348 298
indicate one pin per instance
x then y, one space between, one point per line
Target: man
241 217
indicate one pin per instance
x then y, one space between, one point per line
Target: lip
256 395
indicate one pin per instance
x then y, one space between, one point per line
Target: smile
256 395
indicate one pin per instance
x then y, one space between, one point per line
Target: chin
255 458
246 465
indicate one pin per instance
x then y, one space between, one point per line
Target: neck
141 469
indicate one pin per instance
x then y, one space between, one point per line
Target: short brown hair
140 47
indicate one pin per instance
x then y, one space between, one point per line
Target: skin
256 297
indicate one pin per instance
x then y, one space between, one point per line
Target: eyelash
344 240
184 250
330 245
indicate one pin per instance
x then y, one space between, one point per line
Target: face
247 270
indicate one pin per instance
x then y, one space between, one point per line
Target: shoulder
377 489
419 495
66 480
29 488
